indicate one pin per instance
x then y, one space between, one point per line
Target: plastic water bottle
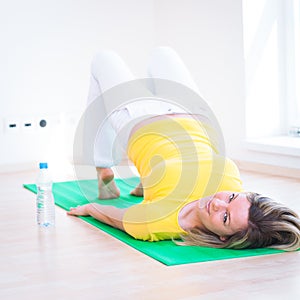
45 200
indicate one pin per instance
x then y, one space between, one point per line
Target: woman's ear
223 238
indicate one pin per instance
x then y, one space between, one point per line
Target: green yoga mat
69 194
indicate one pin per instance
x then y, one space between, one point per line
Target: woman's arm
107 214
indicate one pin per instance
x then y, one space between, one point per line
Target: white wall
46 48
45 54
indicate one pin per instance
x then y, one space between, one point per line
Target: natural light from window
272 63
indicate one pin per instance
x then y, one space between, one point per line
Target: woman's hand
107 214
79 210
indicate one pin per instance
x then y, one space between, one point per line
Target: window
272 63
295 74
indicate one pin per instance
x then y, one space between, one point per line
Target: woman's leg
107 70
165 63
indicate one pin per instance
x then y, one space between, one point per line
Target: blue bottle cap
43 165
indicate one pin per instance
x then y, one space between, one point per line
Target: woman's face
224 213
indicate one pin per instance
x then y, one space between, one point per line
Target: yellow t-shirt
178 162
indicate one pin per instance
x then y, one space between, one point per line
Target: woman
191 190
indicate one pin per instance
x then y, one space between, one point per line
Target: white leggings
108 70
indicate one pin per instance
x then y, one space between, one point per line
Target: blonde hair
270 225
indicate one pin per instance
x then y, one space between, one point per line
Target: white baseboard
242 165
15 168
268 169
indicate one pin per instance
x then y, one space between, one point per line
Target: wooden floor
78 261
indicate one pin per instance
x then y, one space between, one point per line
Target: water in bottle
45 199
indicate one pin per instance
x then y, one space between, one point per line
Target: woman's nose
218 204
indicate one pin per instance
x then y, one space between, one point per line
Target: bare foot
106 184
138 191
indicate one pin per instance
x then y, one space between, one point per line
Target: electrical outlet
31 123
11 125
27 124
46 122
